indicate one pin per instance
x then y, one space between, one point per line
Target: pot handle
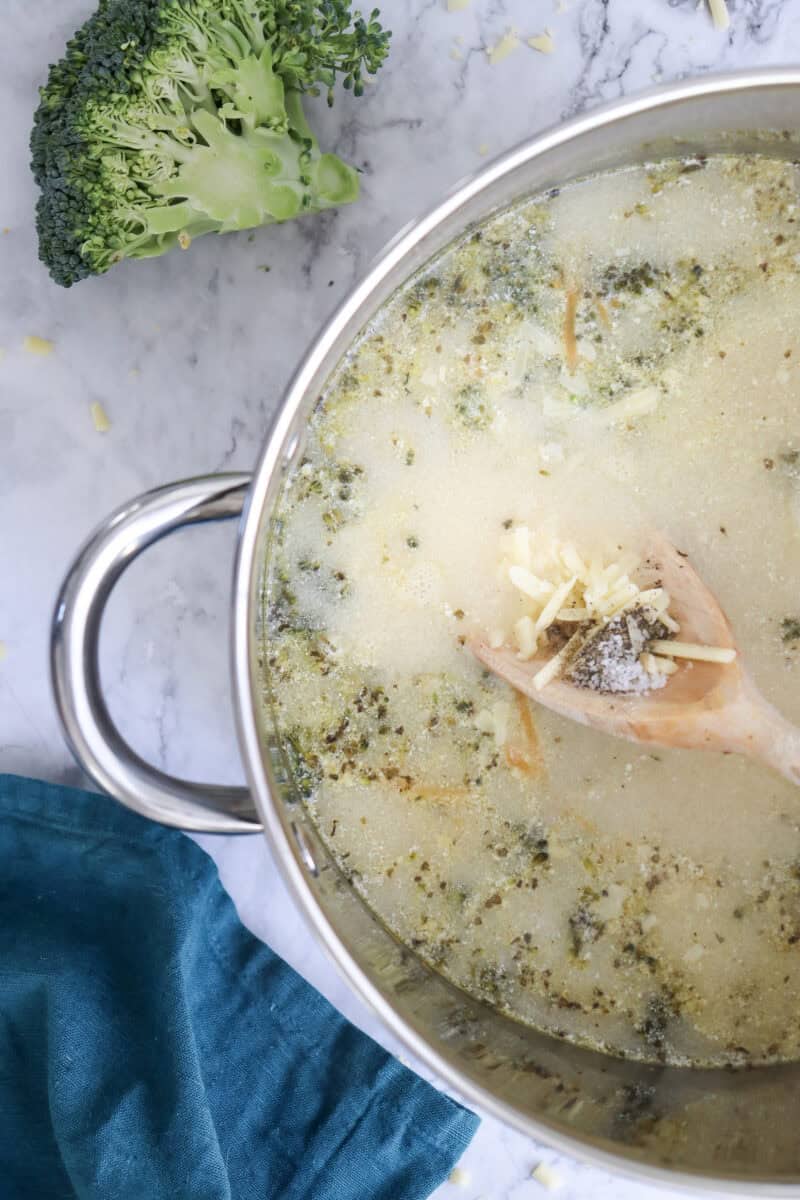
74 659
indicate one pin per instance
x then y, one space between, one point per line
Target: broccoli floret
168 119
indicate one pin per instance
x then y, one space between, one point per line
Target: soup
618 357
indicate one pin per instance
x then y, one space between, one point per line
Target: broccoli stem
230 179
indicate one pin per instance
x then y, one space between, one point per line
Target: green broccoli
168 119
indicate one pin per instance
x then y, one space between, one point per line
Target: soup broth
617 357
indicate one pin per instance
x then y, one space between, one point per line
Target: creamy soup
617 357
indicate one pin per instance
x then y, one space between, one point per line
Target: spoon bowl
702 706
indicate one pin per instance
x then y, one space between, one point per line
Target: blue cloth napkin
151 1048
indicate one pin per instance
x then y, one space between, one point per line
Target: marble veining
189 356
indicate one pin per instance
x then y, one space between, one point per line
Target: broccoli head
168 119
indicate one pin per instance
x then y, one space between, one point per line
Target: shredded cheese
552 668
543 42
577 613
38 345
655 665
554 604
508 43
713 654
545 1175
495 721
636 404
719 14
528 583
526 637
521 545
554 582
99 417
655 598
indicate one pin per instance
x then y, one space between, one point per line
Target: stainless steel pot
735 1130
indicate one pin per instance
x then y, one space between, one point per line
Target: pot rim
275 457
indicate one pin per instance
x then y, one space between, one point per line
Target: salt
610 660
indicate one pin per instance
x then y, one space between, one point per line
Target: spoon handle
767 735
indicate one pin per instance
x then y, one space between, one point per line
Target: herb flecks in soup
620 357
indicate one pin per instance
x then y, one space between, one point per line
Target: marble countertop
189 355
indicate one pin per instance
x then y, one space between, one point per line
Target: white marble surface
189 355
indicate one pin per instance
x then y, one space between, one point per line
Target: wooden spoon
703 706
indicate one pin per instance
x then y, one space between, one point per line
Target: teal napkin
151 1048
